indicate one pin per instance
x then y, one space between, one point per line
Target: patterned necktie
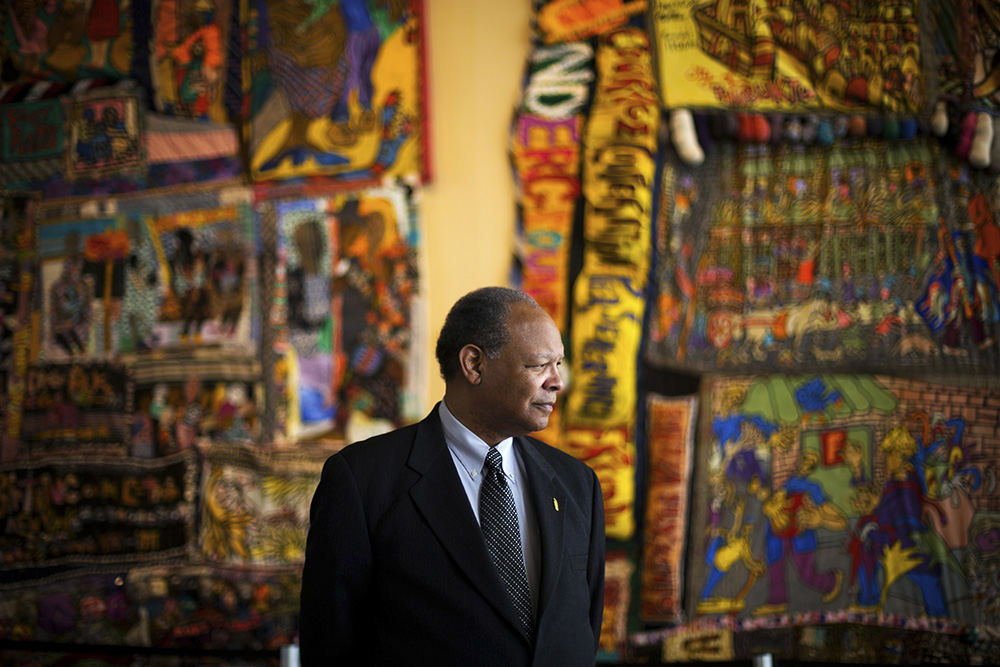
498 520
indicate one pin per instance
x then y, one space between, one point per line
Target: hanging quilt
105 137
822 496
89 510
255 503
670 445
618 570
17 281
76 409
81 607
334 89
188 52
545 151
132 275
966 62
186 397
863 255
67 40
789 55
343 314
608 294
213 607
33 140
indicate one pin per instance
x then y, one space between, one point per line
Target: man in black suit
401 566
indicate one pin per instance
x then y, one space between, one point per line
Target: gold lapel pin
555 503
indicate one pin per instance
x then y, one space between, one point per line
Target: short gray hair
479 318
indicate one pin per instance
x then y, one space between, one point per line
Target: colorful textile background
967 41
788 55
141 402
334 89
66 40
670 445
215 607
342 313
862 255
845 494
607 295
91 510
104 137
189 397
150 273
188 57
255 503
73 409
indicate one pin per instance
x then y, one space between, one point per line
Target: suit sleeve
595 563
333 620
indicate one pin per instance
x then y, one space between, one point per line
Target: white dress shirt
468 452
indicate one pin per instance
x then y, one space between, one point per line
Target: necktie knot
494 462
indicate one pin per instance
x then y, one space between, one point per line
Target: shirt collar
470 449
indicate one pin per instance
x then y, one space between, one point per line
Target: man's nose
555 381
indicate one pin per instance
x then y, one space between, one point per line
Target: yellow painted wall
476 53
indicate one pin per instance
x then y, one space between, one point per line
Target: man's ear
470 359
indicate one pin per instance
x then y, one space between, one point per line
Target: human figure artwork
70 298
335 88
794 513
891 539
189 57
140 302
209 260
309 331
880 508
67 40
344 330
105 138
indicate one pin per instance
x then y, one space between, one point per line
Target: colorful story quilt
863 255
76 408
189 52
789 55
865 494
91 510
255 503
88 606
192 396
670 446
334 89
129 276
214 607
343 314
66 40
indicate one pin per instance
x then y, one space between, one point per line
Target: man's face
519 387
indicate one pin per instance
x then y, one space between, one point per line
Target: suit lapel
441 500
550 502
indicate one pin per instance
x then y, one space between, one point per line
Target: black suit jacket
397 572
